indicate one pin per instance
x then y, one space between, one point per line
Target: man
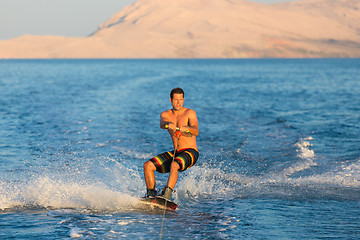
182 125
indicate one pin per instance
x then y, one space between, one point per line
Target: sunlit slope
209 29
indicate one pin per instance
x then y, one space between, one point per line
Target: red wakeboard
160 202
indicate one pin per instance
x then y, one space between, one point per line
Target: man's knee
175 166
149 166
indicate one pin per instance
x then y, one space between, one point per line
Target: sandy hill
209 29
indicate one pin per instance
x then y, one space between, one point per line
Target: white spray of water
112 189
306 156
207 181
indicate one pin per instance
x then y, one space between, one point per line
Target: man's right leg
160 163
149 175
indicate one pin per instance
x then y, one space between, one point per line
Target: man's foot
166 193
150 193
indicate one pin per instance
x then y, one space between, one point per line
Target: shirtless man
182 125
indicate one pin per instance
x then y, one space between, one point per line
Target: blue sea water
279 148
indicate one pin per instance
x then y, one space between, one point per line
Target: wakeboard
160 202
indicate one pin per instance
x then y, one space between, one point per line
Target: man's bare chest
180 121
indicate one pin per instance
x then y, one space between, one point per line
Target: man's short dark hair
176 91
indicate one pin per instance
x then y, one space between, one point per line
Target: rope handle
178 132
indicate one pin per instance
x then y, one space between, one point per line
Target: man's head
176 91
177 98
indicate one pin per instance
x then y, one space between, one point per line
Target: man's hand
171 126
185 129
177 131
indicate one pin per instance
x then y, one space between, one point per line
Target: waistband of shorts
184 149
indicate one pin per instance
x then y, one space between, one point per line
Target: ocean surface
279 149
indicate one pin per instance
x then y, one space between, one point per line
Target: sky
71 18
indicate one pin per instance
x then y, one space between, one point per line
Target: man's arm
164 123
193 124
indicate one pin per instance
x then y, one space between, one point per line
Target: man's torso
182 118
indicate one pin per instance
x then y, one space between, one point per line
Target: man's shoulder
189 111
165 113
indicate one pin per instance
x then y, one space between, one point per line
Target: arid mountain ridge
209 29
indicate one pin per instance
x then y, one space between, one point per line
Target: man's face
177 101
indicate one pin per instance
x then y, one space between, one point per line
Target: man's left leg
173 176
184 160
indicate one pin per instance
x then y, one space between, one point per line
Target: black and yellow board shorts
186 158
